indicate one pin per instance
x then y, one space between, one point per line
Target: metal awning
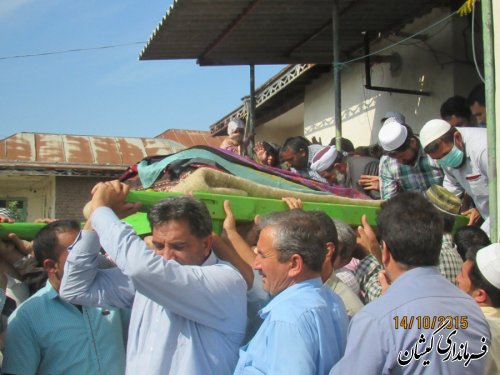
236 32
279 94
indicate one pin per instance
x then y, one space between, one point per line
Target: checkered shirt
450 263
367 275
398 178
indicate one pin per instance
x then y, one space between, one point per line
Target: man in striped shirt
405 167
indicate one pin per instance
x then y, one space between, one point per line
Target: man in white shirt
463 155
188 307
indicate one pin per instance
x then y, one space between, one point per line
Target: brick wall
71 195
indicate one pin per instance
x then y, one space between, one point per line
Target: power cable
70 51
474 45
340 65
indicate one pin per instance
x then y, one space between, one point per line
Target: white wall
278 135
286 125
438 71
39 191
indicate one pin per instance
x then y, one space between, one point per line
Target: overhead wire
340 65
474 44
70 51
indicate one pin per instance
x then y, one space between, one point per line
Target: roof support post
249 136
336 75
489 77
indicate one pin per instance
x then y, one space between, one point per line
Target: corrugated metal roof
230 32
37 150
190 138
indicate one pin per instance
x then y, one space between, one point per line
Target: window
17 206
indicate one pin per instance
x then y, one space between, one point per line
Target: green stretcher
244 209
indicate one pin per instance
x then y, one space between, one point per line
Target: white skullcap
488 262
324 158
397 115
234 123
392 135
433 130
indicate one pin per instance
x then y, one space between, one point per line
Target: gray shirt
351 301
383 335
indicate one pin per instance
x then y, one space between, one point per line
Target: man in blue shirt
188 307
423 324
305 324
47 335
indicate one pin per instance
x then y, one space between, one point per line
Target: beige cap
433 130
392 135
488 262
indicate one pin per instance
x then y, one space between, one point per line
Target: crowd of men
300 293
451 151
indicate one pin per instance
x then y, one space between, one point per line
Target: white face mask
453 159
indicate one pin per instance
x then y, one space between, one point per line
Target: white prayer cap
392 135
397 115
488 262
234 123
324 158
433 130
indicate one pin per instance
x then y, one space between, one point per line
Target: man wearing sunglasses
405 166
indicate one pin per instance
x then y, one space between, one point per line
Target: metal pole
336 76
250 133
489 77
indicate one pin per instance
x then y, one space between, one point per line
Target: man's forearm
83 283
241 247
